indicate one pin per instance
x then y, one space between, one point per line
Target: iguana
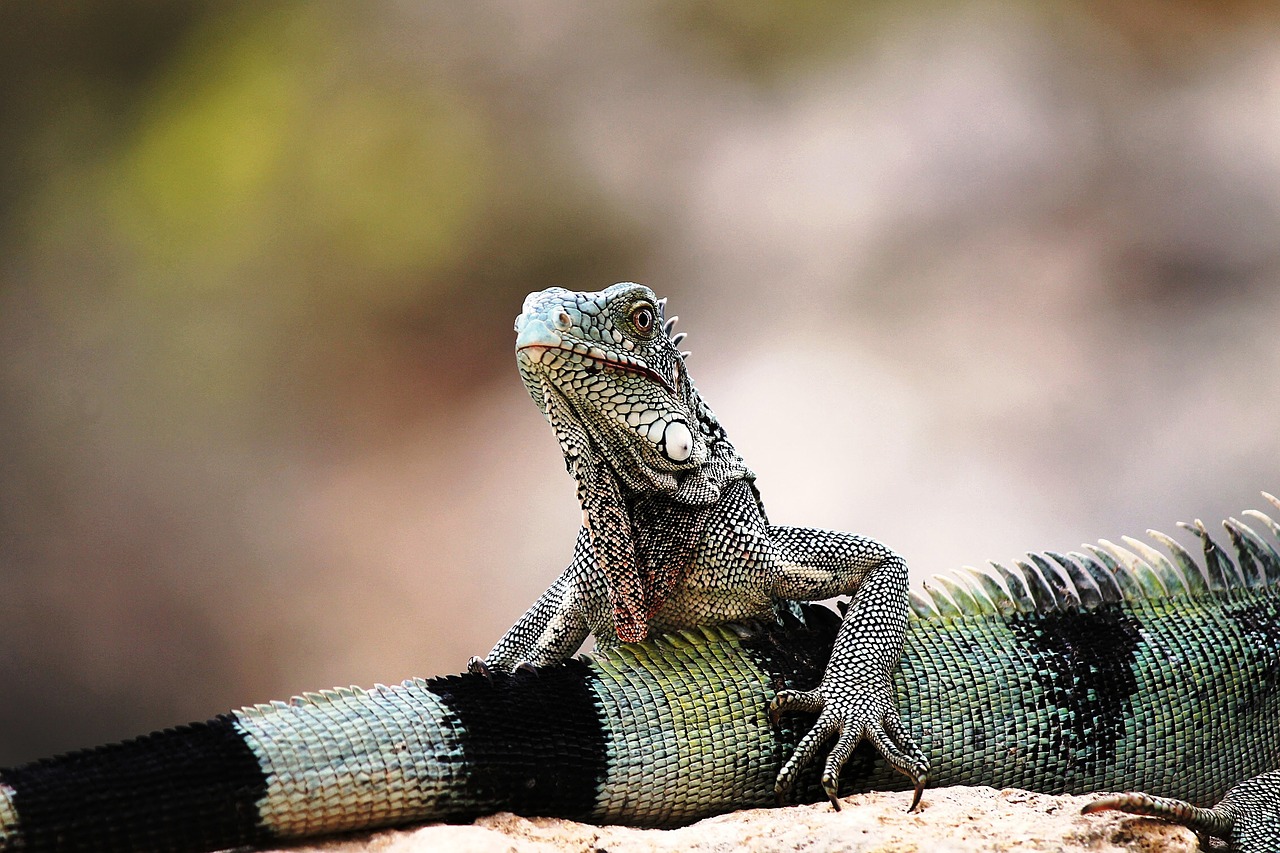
674 534
1108 669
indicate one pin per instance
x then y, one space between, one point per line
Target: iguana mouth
600 362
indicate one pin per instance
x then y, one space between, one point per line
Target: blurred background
968 277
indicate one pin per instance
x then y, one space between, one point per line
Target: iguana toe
788 701
1247 818
850 714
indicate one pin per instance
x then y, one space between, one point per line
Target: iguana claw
477 666
849 717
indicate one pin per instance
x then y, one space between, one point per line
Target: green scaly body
1157 681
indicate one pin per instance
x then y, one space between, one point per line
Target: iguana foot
479 666
1247 818
850 714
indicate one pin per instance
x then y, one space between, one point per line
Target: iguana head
606 372
602 366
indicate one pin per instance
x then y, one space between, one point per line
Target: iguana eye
642 319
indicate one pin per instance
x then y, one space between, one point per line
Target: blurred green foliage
270 127
272 211
763 41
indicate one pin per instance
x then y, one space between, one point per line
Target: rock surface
953 819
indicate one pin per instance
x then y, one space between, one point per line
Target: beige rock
952 820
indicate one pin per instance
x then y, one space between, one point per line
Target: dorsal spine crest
1108 572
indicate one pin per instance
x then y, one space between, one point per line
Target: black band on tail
534 742
190 788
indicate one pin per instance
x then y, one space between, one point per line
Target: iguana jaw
537 353
625 389
653 424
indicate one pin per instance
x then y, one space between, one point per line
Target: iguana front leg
604 567
855 697
554 627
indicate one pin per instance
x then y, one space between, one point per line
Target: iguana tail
663 732
319 764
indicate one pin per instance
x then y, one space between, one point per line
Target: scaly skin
1095 671
1247 818
674 533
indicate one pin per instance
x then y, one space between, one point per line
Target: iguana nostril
563 321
